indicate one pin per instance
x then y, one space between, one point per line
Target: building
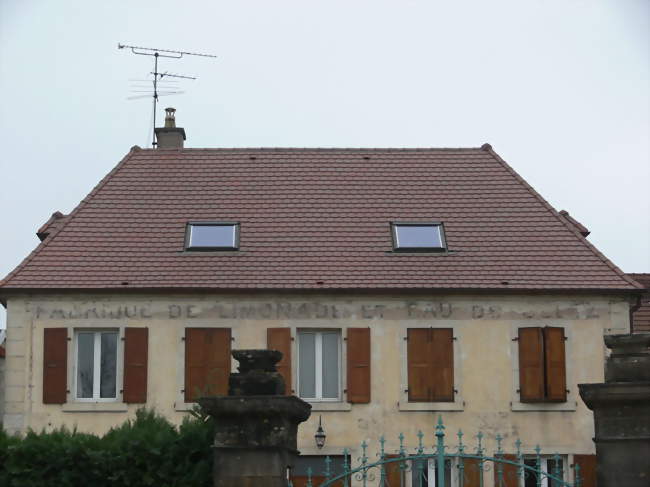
641 314
401 284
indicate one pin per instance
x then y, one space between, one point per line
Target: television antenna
158 76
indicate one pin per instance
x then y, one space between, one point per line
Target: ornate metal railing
443 466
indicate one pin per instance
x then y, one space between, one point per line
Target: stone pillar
256 427
621 409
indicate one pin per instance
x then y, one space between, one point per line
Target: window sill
543 406
431 406
94 407
330 406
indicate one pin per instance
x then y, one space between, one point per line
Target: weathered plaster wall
2 388
486 357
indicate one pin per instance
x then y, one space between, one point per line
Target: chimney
170 136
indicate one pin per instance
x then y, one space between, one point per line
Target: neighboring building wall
641 317
486 366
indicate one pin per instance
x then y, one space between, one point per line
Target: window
212 236
418 236
319 365
548 465
317 464
430 356
542 364
96 365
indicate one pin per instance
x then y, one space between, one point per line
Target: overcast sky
559 88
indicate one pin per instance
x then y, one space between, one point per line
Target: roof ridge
69 217
564 222
324 149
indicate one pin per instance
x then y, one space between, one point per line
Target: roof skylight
418 236
212 236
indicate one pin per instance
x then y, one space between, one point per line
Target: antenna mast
156 53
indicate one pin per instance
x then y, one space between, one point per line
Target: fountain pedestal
256 427
621 409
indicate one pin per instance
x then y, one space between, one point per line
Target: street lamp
320 435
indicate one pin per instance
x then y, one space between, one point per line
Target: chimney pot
170 117
170 136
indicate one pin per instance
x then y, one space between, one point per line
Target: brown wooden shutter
280 339
442 361
136 352
358 351
587 465
510 472
471 472
393 472
531 364
55 365
207 362
555 364
419 366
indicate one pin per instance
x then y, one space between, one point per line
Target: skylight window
212 236
418 236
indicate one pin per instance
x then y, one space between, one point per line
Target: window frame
201 248
430 223
318 365
516 404
458 404
119 365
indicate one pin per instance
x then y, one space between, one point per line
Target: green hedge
146 451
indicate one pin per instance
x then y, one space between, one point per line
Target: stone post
621 409
256 425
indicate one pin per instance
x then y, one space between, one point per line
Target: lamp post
320 434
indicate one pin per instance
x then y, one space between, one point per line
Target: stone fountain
256 425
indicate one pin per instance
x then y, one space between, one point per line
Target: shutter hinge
406 338
406 390
67 391
454 338
182 339
518 391
515 339
345 391
121 391
232 339
455 391
182 391
293 339
565 338
68 338
567 391
122 338
345 339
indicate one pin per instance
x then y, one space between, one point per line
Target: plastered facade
485 360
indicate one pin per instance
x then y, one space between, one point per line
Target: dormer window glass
212 236
418 236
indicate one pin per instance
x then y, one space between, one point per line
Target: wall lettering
316 310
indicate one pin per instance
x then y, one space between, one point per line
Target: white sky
559 88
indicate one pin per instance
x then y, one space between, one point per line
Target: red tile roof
641 317
314 219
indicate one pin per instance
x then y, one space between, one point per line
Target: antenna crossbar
154 50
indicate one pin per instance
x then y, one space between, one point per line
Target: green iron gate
445 466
